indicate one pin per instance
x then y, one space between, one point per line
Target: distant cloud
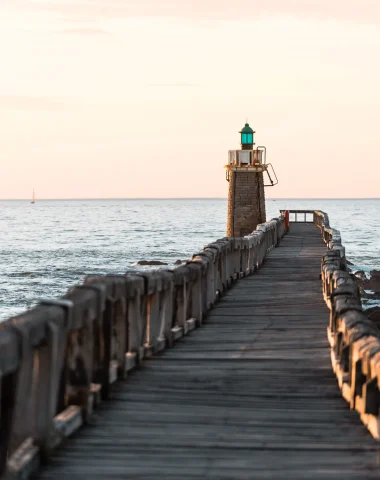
24 102
83 31
365 11
179 84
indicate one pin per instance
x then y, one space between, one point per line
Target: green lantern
247 140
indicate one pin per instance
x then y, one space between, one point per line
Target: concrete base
177 333
130 361
148 350
160 345
24 462
96 390
113 371
68 422
191 324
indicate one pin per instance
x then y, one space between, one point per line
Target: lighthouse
246 197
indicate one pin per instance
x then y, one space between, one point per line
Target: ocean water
48 247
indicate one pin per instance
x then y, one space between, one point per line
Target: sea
51 245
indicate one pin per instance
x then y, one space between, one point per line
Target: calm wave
47 247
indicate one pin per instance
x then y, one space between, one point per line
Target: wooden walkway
251 395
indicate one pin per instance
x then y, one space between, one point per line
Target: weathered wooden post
246 197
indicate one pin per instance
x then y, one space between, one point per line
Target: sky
144 98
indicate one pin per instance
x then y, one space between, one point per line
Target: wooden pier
250 394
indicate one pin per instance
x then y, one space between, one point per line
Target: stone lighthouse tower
245 174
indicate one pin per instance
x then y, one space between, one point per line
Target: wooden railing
353 338
58 359
331 236
305 216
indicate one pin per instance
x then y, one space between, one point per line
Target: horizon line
181 198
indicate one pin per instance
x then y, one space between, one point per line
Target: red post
287 219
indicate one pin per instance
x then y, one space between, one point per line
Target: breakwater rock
369 285
144 263
157 263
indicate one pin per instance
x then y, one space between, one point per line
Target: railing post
11 361
31 332
136 307
87 361
50 363
181 277
203 260
114 330
211 281
196 291
158 305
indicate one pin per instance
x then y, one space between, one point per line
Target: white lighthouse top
245 157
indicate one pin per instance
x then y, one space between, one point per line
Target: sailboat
33 198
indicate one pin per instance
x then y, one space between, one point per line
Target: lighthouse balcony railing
245 158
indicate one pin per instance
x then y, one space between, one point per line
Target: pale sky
144 98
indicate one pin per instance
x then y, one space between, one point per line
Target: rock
143 263
178 262
360 275
370 294
374 281
373 314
